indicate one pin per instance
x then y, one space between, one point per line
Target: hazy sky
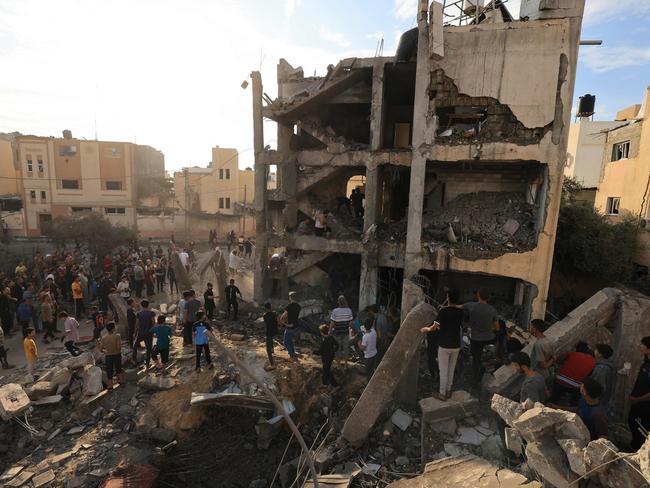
167 72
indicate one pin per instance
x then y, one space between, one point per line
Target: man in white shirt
185 259
368 345
71 328
124 288
233 263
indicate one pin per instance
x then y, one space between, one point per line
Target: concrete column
369 286
261 250
423 134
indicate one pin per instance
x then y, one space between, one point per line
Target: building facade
64 176
217 197
462 141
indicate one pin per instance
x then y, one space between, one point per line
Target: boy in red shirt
576 366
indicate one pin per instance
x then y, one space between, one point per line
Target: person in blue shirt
24 314
162 332
200 331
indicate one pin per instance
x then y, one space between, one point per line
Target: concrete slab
460 405
465 471
13 401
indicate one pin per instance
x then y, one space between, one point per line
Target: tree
160 187
91 229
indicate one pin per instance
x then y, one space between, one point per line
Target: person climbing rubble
163 333
71 337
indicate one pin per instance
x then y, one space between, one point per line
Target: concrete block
540 422
379 391
78 362
547 458
41 389
401 419
644 459
92 380
43 479
514 442
460 405
445 426
573 449
153 382
469 435
13 401
21 480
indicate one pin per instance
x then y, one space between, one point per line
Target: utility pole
186 174
244 226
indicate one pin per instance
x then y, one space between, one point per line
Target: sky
168 73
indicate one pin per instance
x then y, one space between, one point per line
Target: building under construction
459 141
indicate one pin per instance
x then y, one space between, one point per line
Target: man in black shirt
447 332
231 299
292 313
271 322
639 416
208 302
357 202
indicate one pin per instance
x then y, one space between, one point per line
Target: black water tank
408 46
586 105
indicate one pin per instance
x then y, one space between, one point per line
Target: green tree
91 229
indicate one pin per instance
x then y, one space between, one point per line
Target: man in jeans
483 322
291 312
340 322
144 324
192 306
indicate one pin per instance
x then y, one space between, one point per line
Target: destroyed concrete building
461 138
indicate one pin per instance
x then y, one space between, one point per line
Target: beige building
585 150
63 176
624 187
218 197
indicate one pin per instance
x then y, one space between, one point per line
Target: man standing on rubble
534 387
340 323
483 322
191 308
208 302
289 319
144 320
71 328
231 299
639 417
542 356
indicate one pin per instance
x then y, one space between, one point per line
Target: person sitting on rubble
111 345
604 372
321 229
576 366
542 355
534 387
639 417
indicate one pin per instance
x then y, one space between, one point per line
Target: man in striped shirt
340 323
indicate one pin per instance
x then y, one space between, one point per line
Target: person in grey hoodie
604 371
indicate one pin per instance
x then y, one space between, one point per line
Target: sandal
439 396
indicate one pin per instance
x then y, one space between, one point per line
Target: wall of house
585 150
9 183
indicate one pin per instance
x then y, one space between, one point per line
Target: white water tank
469 6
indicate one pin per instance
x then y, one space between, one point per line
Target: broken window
621 150
613 205
70 184
399 97
114 185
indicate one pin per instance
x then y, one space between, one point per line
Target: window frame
43 196
115 210
63 187
613 206
227 202
221 203
30 163
619 145
221 173
227 173
119 183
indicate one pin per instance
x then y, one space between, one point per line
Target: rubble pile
558 447
484 221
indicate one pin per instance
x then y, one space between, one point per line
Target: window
43 196
70 184
613 204
221 174
621 150
81 209
39 161
32 196
30 164
67 150
115 210
114 185
221 202
227 173
227 202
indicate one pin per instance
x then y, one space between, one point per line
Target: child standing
111 344
163 333
200 331
31 353
327 351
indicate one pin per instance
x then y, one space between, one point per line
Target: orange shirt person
31 353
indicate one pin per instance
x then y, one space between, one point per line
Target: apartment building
218 197
64 176
461 139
